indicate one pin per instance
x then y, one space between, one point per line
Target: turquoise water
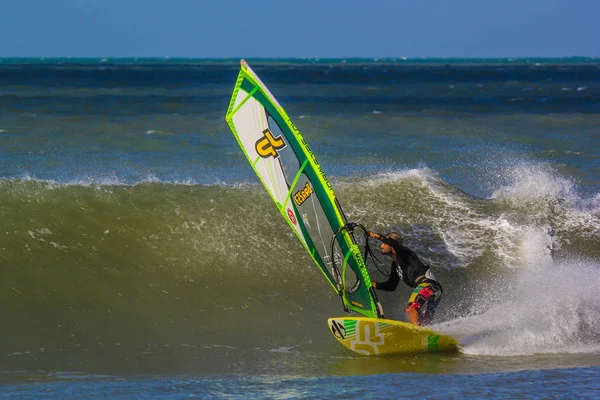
141 256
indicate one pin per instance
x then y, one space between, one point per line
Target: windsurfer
406 267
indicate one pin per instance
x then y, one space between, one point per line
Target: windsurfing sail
293 177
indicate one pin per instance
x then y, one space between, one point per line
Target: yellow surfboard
383 337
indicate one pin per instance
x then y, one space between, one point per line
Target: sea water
140 255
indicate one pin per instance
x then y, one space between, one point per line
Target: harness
422 279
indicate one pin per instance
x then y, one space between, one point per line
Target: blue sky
305 28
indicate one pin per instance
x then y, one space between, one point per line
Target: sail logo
268 145
318 166
303 194
292 216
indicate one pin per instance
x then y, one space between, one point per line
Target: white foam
545 194
471 236
282 350
547 308
107 180
423 174
531 182
535 203
157 132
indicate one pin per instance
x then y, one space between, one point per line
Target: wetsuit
427 291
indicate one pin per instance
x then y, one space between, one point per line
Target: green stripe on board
349 326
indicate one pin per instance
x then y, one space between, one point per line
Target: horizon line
402 58
303 61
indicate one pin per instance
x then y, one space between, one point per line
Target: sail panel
293 177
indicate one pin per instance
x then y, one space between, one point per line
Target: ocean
140 256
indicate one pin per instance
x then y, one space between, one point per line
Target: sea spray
546 308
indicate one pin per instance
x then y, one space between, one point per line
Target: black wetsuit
407 267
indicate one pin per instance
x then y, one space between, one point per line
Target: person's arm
398 247
376 235
392 283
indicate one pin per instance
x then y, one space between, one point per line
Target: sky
304 28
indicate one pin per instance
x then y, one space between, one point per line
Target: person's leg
430 305
417 300
413 313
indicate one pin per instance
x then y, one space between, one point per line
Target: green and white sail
293 177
